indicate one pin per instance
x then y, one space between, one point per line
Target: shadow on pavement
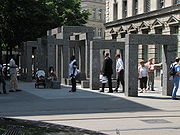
32 102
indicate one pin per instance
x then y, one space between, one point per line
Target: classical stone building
143 17
97 17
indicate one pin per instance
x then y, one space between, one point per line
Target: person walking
151 67
2 80
13 76
143 74
73 73
120 72
176 77
107 71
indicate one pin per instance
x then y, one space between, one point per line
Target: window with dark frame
124 9
176 2
115 11
135 7
160 4
147 5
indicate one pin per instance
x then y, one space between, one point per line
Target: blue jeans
176 86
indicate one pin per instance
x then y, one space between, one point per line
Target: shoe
141 91
175 98
18 90
110 91
72 91
0 93
152 90
11 91
116 90
101 91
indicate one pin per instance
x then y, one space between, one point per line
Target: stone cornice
144 16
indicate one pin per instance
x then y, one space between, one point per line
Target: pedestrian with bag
143 74
107 71
120 72
175 76
2 79
73 72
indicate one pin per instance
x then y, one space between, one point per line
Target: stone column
58 61
87 52
112 55
77 53
29 63
65 62
51 52
82 60
94 67
151 48
169 55
131 69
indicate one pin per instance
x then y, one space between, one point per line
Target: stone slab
56 85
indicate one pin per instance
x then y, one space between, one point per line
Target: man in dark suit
107 71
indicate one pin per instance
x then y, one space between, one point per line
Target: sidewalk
111 113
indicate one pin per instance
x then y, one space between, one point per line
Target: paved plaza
110 113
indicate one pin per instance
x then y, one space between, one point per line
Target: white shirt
40 73
71 68
119 65
13 67
143 71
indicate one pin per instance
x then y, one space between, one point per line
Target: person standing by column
73 73
143 73
151 68
176 77
2 80
107 71
120 72
13 76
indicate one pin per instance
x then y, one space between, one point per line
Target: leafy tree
23 20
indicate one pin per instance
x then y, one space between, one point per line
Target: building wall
154 21
97 17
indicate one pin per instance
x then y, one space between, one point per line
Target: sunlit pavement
110 113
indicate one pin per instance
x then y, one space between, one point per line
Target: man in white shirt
13 76
120 72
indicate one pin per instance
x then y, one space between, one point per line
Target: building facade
97 18
143 17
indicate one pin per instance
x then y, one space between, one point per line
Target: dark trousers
73 82
143 82
109 84
120 79
2 80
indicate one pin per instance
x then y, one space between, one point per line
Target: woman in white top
143 74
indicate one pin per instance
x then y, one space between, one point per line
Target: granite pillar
169 55
94 67
131 69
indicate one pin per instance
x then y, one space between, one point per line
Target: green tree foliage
23 20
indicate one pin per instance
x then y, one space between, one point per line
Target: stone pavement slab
111 113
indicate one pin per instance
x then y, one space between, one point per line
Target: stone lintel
157 39
106 44
31 43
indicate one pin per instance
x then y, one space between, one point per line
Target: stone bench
56 84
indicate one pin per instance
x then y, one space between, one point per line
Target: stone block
56 85
85 84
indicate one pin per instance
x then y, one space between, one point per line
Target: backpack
172 71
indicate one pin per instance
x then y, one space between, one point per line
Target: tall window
147 5
124 9
115 11
100 32
176 2
100 14
94 13
160 4
135 7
